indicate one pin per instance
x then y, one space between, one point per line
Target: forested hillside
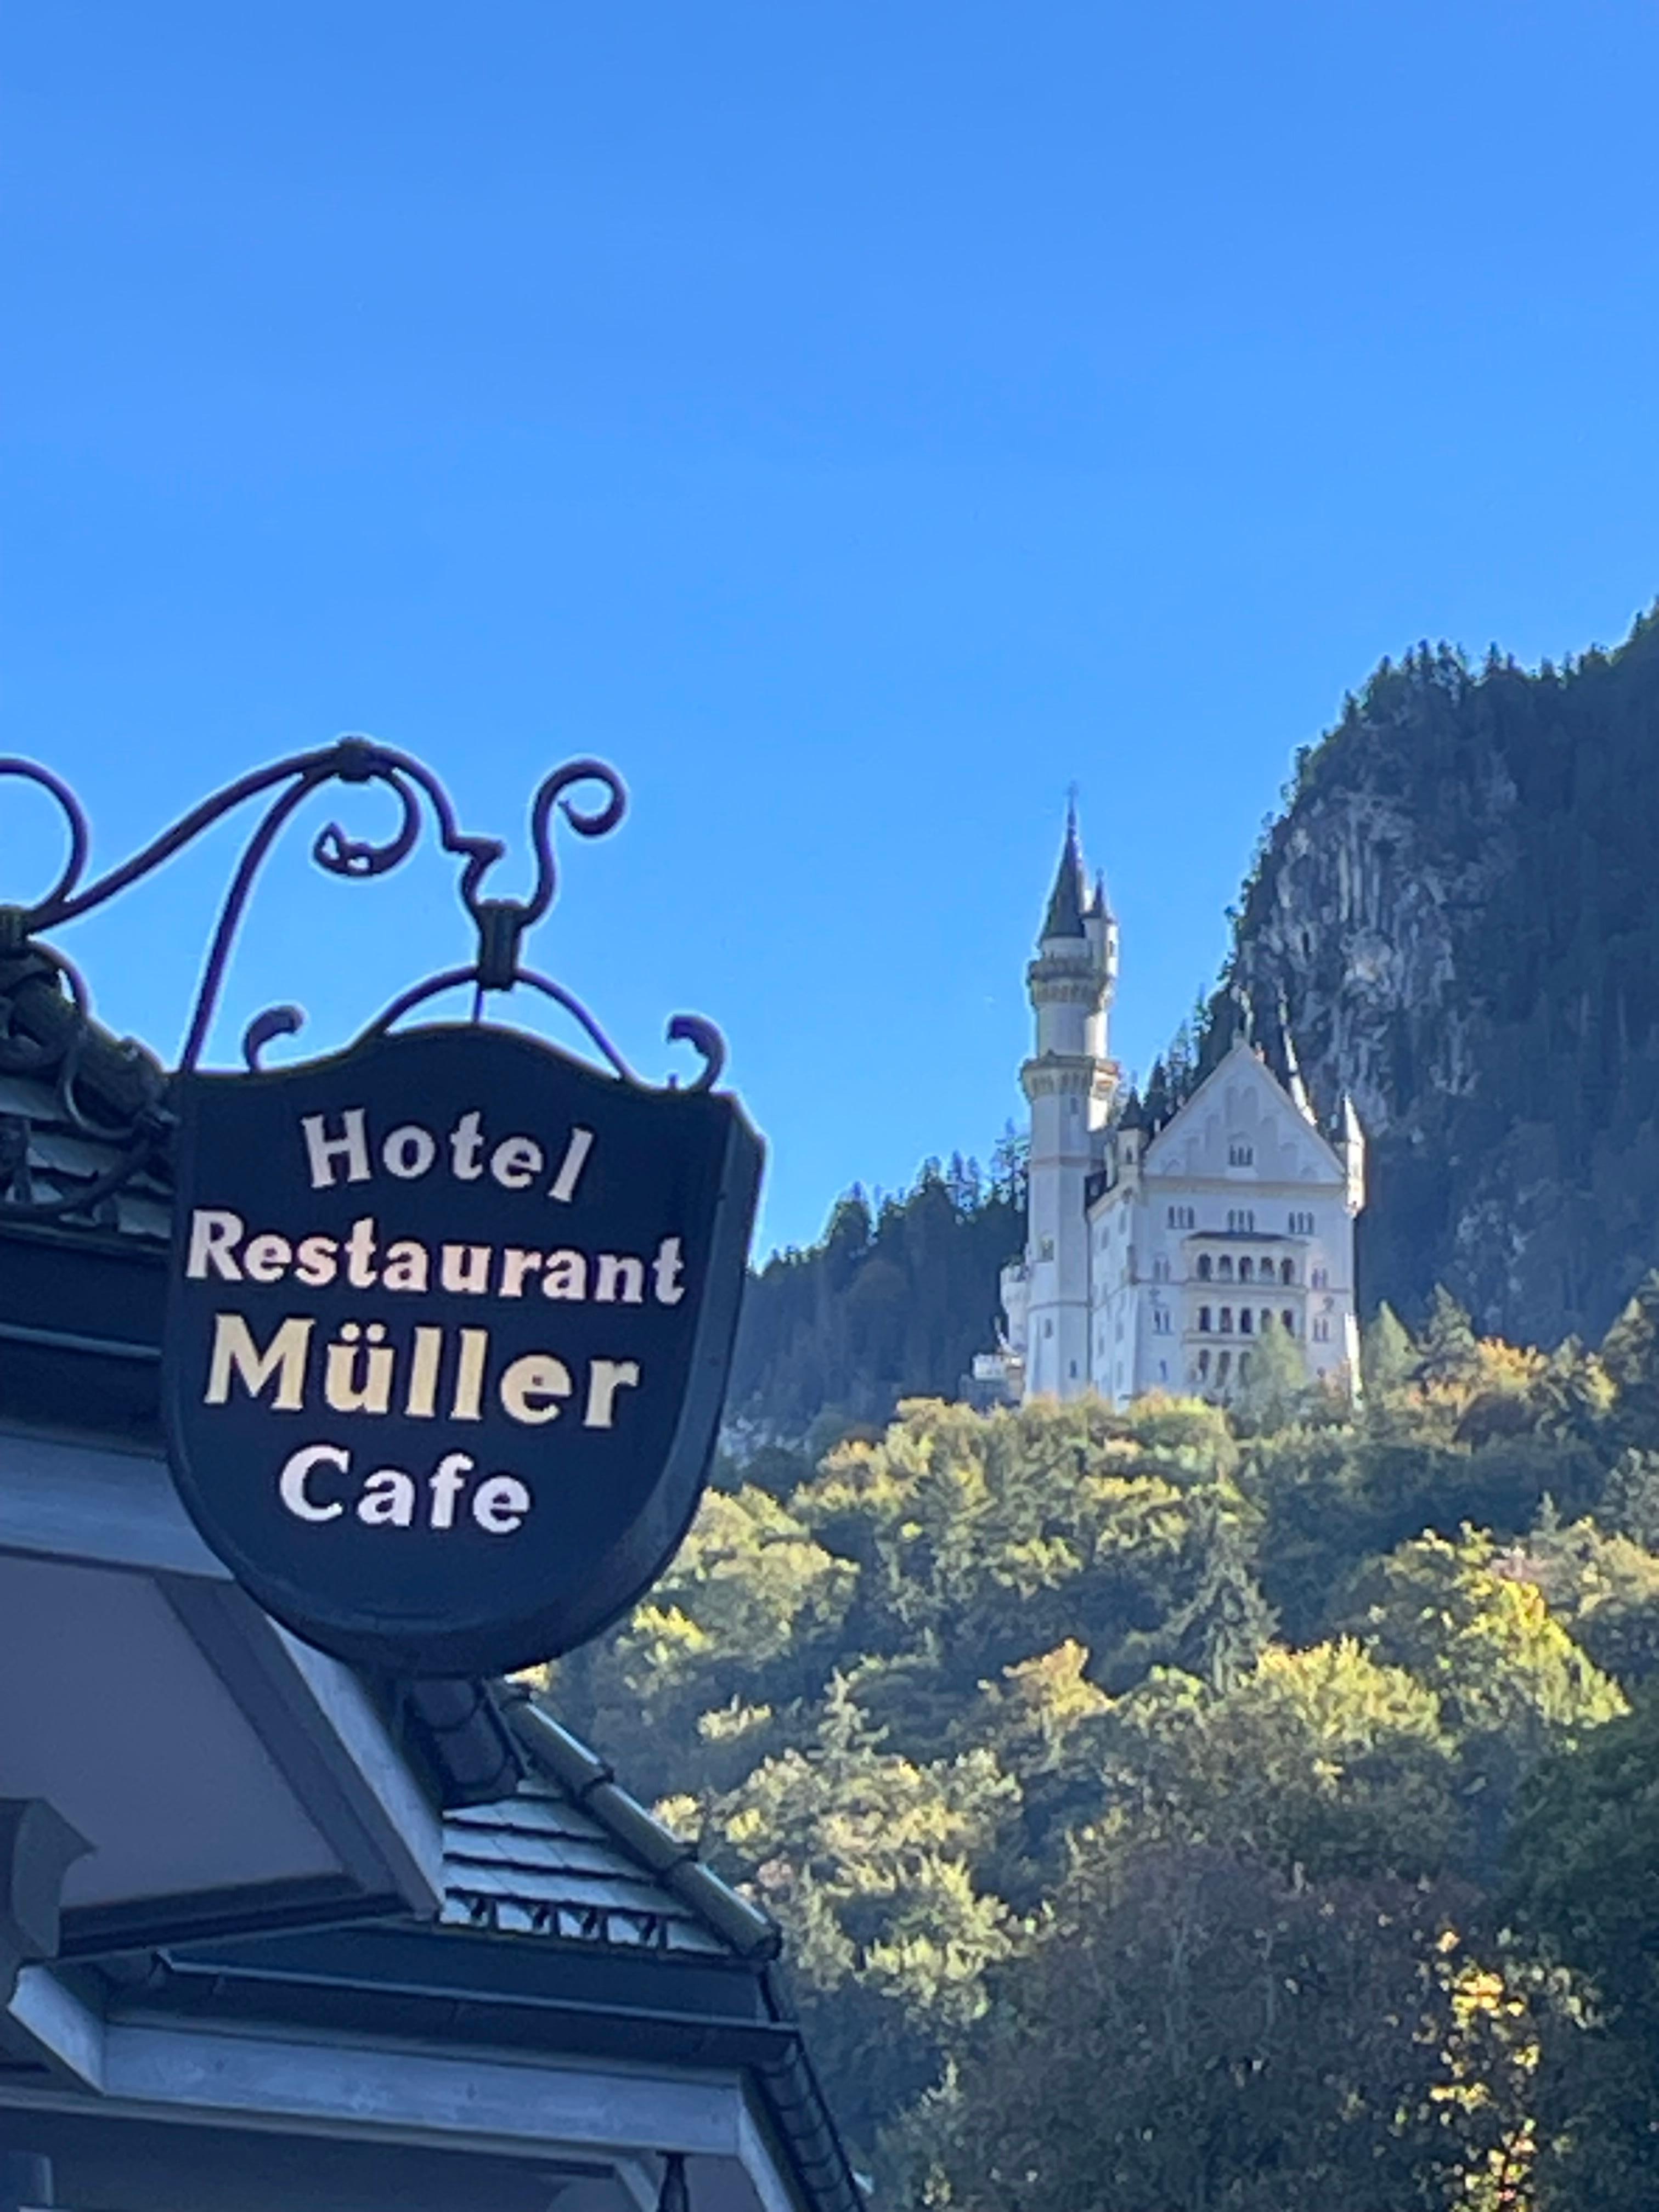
1458 910
1255 1812
893 1303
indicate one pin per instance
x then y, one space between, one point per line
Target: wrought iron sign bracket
501 926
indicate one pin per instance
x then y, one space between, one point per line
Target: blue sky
856 422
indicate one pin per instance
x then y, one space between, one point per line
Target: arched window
1203 1366
1244 1365
1264 1266
1246 1320
1224 1268
1264 1321
1205 1268
1223 1363
1287 1271
1246 1269
1226 1320
1204 1320
1288 1320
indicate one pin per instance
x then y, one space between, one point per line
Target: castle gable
1241 1125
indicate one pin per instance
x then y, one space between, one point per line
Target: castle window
1204 1320
1244 1365
1288 1320
1205 1268
1226 1320
1320 1278
1160 1270
1241 1217
1240 1154
1246 1320
1160 1321
1246 1269
1203 1366
1266 1321
1181 1217
1224 1268
1322 1329
1264 1266
1287 1271
1049 1327
1046 1250
1223 1363
1302 1224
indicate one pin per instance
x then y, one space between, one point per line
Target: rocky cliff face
1458 915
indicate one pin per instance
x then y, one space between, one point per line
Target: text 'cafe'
335 1391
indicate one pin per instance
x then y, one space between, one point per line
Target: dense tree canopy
1176 1808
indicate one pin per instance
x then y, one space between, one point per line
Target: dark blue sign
448 1330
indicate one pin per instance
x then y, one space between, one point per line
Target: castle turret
1069 1080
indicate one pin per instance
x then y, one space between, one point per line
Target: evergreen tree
1226 1624
1275 1389
1450 1351
1388 1356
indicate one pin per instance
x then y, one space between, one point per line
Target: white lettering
621 1277
236 1353
666 1272
408 1151
448 1480
466 1267
324 1150
576 1159
500 1504
348 1392
405 1266
388 1499
267 1259
360 1254
605 1378
214 1235
470 1375
532 1386
465 1143
515 1266
291 1484
319 1261
422 1398
564 1276
516 1162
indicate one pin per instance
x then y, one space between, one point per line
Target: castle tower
1069 1080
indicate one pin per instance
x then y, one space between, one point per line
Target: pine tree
1450 1351
1227 1624
1388 1355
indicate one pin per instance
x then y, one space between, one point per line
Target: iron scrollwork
54 1038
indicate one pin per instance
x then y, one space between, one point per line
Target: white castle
1164 1242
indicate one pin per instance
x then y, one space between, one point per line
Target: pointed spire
1065 914
1100 902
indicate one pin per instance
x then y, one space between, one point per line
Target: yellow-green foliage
972 1700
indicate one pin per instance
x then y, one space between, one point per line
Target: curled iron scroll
501 923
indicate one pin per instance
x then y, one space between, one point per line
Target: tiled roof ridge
585 1775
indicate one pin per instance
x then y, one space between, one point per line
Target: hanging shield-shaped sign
447 1336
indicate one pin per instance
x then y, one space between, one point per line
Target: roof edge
752 1933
